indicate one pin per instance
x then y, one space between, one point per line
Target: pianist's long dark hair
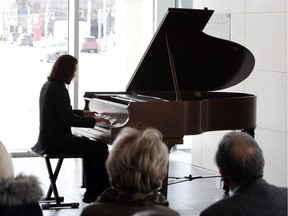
63 69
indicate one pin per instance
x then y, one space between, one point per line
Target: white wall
261 26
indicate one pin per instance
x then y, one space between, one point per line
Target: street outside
22 76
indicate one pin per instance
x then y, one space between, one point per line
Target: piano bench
56 201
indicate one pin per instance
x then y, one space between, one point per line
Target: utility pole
46 18
89 10
28 18
104 23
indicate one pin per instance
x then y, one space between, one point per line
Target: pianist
137 166
56 119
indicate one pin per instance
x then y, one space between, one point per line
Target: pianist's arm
87 113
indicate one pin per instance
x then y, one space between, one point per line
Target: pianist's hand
102 120
88 113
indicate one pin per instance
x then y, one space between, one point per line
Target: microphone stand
190 178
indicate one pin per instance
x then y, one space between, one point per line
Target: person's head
6 165
64 69
239 158
138 161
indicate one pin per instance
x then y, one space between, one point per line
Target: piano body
175 86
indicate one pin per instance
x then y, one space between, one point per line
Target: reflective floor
186 197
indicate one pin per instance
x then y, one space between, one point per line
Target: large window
33 33
27 34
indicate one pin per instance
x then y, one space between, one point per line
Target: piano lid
201 62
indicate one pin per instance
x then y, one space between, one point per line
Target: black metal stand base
190 178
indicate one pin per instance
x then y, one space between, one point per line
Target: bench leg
53 188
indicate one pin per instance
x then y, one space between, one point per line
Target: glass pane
32 35
111 42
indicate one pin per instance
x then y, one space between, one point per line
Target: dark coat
252 199
19 196
120 209
116 202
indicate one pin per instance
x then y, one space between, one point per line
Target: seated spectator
240 161
149 213
136 166
19 195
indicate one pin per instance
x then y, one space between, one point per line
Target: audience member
19 195
240 161
150 213
56 119
137 165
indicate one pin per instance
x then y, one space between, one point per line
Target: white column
73 37
161 7
134 30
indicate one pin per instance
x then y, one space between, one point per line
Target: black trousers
94 154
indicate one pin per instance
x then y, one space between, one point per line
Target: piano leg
164 189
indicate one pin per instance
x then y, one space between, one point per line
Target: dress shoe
89 198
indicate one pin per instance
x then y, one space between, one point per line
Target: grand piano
177 86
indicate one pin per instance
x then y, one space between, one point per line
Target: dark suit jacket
57 117
252 199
